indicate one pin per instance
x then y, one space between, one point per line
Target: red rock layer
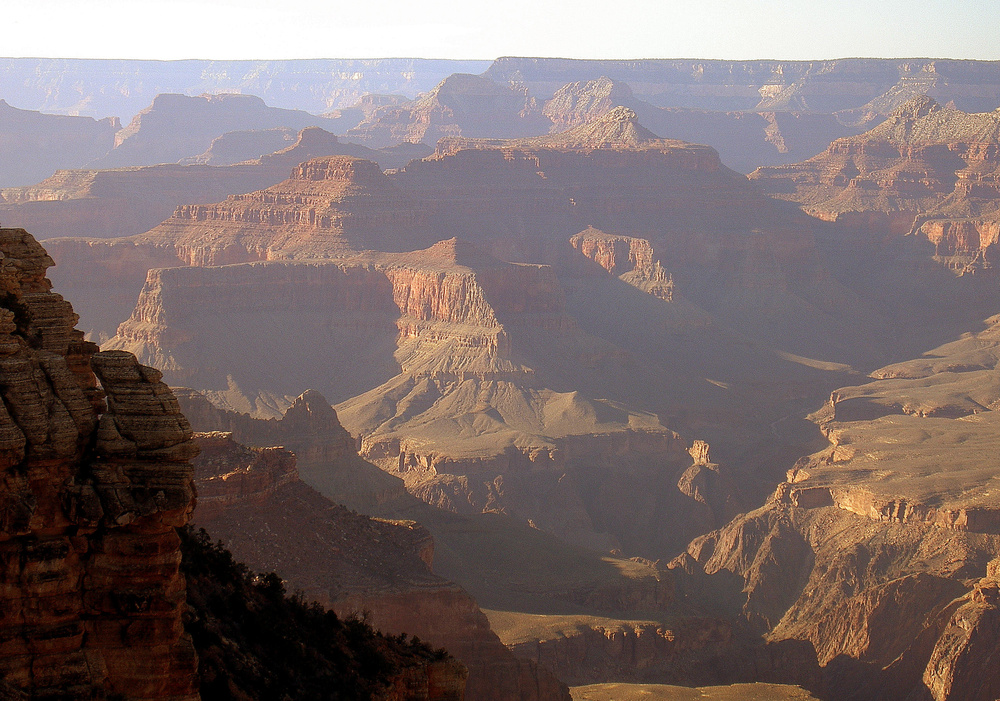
129 201
925 166
93 488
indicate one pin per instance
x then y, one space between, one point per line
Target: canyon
548 386
97 482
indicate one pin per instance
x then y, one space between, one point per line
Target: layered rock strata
253 500
461 105
96 482
927 168
882 604
893 526
745 140
448 354
129 201
522 200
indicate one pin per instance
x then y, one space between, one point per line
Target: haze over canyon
534 379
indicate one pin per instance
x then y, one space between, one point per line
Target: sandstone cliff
922 169
880 549
96 483
444 362
736 253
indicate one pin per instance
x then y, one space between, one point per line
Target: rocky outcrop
745 140
964 657
522 200
880 549
461 104
96 481
628 258
35 145
253 500
924 164
871 599
175 126
128 201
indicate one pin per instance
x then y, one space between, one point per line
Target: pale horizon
783 30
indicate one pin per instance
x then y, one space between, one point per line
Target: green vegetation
255 642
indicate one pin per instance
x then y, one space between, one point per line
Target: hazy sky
786 29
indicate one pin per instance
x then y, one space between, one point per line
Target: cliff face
461 105
441 360
522 200
880 549
35 144
855 88
253 500
129 201
924 164
177 126
881 603
745 140
96 483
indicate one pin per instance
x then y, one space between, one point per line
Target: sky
475 29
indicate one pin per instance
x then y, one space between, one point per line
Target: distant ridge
122 87
617 129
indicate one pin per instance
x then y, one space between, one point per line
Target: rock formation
247 145
96 483
253 500
128 201
893 526
460 105
922 168
456 368
174 127
35 145
745 140
442 326
855 88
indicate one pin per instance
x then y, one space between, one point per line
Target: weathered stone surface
927 169
253 500
92 492
128 201
745 140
